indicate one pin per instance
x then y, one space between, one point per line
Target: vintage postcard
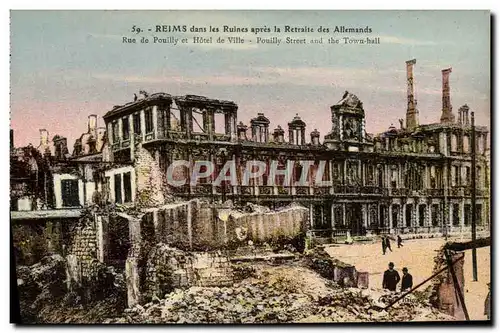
250 167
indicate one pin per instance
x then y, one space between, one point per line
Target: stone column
387 173
143 125
462 212
234 134
303 136
120 129
428 220
344 215
403 213
332 217
131 265
364 213
112 196
167 123
399 181
132 137
110 133
330 165
155 121
391 229
189 120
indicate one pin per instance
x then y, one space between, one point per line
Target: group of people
386 244
392 278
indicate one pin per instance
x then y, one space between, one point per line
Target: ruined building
415 178
411 179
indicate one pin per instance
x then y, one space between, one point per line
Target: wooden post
473 199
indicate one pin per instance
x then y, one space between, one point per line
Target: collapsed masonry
191 243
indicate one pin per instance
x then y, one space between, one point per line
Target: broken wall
169 268
83 243
149 178
196 225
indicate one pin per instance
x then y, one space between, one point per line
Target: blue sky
66 65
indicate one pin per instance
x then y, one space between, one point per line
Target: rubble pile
40 284
160 265
330 268
277 295
48 295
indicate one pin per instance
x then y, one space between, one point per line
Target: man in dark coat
391 278
407 280
400 241
388 243
487 304
384 246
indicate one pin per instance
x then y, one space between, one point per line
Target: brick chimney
93 125
315 137
44 137
446 115
411 111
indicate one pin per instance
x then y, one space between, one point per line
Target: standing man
400 242
391 278
487 304
388 243
407 280
384 245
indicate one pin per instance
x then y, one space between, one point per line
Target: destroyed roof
437 126
260 119
117 109
203 102
350 100
279 130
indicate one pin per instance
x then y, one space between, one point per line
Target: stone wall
154 268
149 180
169 268
201 226
84 244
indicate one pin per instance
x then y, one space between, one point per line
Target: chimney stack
315 137
446 115
411 111
93 125
279 135
242 131
44 137
11 139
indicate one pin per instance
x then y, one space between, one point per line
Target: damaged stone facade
412 179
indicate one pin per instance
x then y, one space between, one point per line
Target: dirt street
418 256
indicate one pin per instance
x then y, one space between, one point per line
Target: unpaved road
418 255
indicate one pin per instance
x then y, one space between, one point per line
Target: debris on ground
283 294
